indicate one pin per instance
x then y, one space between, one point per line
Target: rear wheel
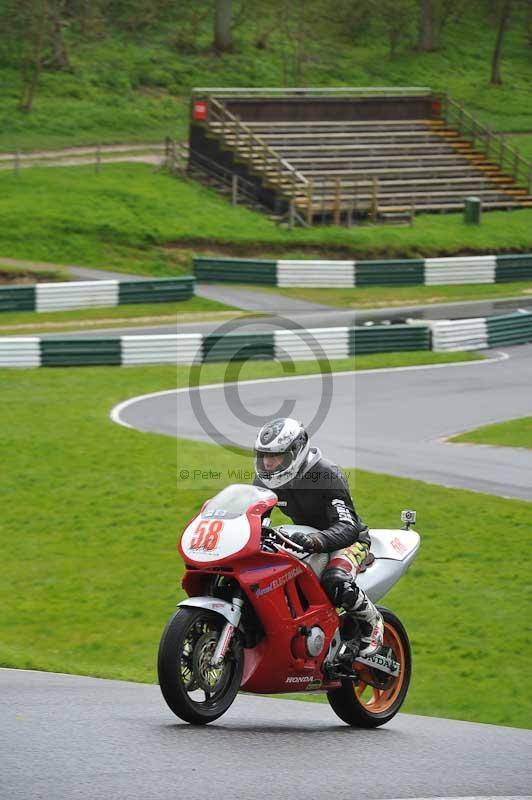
375 697
196 691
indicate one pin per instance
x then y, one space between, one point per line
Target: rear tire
364 706
186 646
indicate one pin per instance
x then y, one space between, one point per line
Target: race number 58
207 535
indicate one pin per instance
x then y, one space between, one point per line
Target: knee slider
340 588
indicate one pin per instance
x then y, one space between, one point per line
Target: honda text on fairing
257 618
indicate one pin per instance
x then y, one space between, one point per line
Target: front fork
227 634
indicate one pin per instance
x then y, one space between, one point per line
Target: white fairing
394 551
232 537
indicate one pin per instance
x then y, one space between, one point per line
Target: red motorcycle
257 618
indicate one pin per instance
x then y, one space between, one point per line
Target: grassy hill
121 89
90 576
132 219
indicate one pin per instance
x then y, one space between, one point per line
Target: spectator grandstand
334 155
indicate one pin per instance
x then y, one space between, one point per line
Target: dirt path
146 153
77 273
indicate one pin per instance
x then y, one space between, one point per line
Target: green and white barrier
459 334
281 345
197 348
94 294
398 272
482 332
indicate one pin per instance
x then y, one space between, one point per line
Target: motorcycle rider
313 491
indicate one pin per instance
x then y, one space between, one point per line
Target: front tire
363 705
194 690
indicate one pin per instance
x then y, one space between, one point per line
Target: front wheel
196 691
374 697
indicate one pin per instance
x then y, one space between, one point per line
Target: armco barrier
283 345
20 351
388 339
17 298
94 294
513 268
483 332
311 345
441 271
389 273
81 352
396 272
316 273
510 329
459 334
82 294
163 290
162 349
235 270
238 347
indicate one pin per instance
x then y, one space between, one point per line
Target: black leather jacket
319 496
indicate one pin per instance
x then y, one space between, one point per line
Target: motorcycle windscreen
235 500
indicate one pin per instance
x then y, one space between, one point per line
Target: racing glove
307 541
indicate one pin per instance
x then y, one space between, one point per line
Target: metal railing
240 187
493 145
319 91
250 147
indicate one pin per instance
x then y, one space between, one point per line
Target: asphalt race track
276 311
90 739
389 421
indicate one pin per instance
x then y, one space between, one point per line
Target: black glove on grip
307 541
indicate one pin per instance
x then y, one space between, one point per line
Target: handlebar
275 537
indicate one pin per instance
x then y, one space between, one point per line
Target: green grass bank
91 514
515 433
132 219
194 310
135 88
388 296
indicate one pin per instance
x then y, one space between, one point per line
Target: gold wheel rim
379 701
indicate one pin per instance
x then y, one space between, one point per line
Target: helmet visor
268 464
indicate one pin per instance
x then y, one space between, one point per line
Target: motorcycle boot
345 593
362 609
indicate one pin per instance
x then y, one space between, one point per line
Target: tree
56 13
397 17
506 10
529 22
428 27
37 20
223 34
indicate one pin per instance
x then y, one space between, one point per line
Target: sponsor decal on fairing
277 582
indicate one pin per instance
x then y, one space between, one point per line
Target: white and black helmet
285 437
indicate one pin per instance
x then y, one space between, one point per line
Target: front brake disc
208 677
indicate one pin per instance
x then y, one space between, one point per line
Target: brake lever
292 545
